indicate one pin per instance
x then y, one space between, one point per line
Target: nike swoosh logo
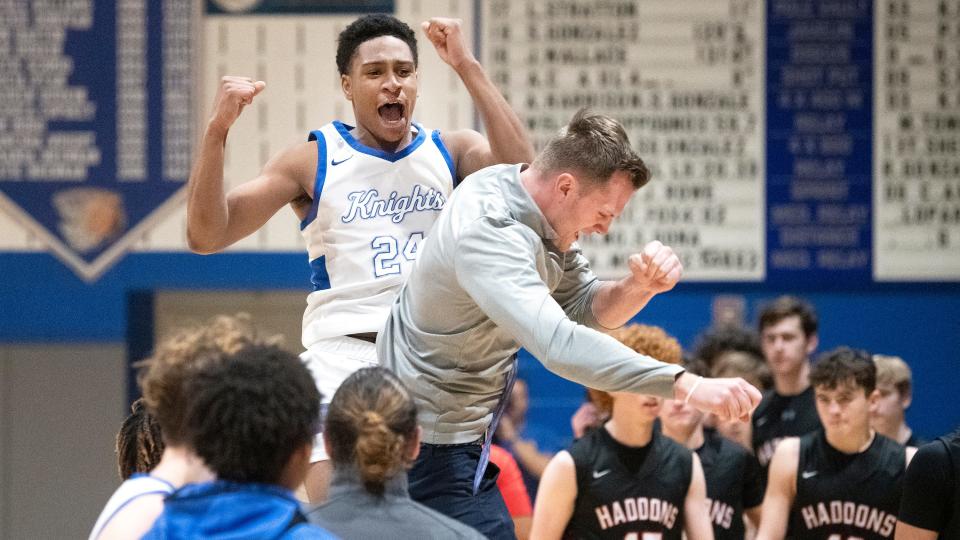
334 162
600 474
808 474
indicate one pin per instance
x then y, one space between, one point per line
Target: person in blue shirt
251 418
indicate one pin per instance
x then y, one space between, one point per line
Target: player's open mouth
391 112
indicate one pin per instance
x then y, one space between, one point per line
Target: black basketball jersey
734 482
778 417
931 488
623 490
952 528
848 495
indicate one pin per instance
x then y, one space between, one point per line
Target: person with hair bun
372 437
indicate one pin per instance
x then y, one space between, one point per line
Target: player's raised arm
508 139
216 219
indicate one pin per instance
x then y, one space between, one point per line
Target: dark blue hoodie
233 510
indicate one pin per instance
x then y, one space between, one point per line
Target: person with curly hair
717 340
250 415
163 378
625 479
372 438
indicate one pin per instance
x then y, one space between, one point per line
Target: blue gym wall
45 302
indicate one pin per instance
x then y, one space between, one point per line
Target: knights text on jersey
734 482
626 492
847 495
371 209
778 417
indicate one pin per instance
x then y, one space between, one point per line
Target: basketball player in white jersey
366 195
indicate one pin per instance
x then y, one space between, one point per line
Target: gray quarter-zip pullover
488 280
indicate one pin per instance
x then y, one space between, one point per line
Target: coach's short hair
843 365
250 413
369 27
594 146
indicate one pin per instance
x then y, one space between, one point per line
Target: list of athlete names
686 80
917 140
36 96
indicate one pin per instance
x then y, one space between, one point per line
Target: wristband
694 387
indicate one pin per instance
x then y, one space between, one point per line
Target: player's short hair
370 422
162 375
844 365
718 340
745 365
593 146
369 27
250 412
139 442
651 341
894 371
789 306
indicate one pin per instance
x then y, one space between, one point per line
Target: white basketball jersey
371 209
136 486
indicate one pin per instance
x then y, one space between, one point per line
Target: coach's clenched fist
657 268
730 398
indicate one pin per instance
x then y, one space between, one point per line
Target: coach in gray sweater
499 270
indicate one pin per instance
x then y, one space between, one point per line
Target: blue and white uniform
138 485
371 209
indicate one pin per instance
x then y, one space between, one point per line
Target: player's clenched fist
657 268
234 94
447 38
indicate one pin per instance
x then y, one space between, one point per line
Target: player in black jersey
930 507
732 473
842 482
625 479
788 335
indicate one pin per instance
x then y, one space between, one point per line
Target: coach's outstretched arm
508 141
510 291
216 219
